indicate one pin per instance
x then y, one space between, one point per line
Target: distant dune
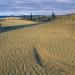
44 49
15 21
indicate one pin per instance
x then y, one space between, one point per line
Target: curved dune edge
37 51
16 22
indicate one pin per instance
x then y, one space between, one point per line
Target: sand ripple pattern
37 51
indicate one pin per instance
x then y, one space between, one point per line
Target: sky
42 7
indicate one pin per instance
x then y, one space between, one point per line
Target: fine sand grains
46 49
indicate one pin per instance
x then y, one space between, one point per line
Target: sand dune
46 49
16 22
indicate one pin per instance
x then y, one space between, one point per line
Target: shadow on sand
37 57
9 28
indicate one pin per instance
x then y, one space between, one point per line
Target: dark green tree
53 15
31 16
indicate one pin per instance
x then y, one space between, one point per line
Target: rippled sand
44 49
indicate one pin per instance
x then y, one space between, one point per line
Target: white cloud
36 6
64 1
18 1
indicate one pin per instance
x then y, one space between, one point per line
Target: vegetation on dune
0 24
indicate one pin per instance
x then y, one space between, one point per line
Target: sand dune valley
28 48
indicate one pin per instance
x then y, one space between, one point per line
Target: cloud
35 6
64 1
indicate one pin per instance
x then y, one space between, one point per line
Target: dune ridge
15 22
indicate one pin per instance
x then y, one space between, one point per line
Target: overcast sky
19 7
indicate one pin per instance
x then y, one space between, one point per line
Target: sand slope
46 49
15 22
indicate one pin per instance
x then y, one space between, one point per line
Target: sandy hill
15 21
44 49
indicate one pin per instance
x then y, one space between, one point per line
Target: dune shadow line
10 28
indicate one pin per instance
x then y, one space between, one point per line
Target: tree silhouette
53 15
31 16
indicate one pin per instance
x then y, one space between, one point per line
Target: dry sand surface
15 22
45 49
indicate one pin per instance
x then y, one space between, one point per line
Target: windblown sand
45 49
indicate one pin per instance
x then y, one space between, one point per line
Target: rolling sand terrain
14 22
44 49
